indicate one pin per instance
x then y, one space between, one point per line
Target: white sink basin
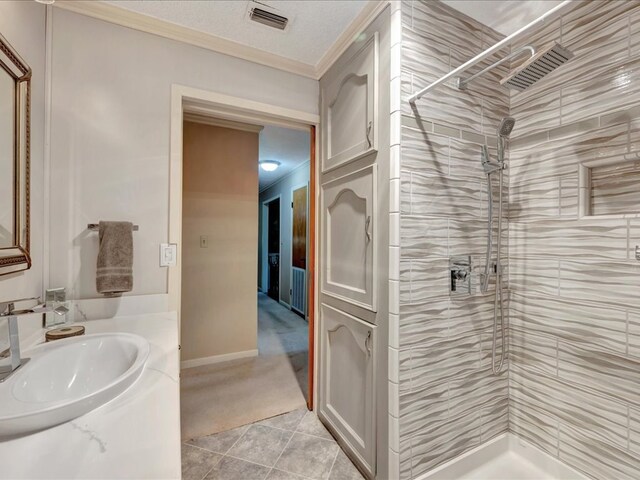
68 378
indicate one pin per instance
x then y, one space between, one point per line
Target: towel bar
96 226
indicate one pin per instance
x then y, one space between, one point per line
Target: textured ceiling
290 147
314 26
504 16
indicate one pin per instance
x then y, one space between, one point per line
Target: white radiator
298 290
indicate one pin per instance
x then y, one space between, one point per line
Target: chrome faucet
7 310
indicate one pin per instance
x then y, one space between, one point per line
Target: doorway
236 340
273 249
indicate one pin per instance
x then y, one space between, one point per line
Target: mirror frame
17 258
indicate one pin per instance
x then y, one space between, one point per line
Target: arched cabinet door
349 236
347 393
349 108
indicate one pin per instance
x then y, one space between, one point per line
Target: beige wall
220 200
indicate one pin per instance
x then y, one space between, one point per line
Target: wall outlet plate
168 254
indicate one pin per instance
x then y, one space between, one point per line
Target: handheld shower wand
490 167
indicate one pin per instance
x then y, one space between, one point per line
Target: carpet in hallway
219 397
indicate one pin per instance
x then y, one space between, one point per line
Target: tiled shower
571 383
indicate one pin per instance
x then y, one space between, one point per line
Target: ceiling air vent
267 17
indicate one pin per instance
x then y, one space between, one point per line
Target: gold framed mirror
15 106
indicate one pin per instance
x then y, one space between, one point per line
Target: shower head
538 66
506 125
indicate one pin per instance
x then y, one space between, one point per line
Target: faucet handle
7 308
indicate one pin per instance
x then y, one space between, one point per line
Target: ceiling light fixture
269 165
46 2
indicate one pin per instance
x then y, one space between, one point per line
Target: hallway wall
220 193
282 187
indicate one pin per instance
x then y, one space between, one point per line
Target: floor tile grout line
285 447
333 464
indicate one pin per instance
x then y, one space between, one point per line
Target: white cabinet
348 259
347 382
349 108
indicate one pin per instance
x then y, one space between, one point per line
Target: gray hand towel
115 258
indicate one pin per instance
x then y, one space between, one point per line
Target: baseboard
198 362
285 304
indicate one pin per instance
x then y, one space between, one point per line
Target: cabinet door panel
347 381
349 235
349 108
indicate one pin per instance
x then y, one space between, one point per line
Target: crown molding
355 28
137 21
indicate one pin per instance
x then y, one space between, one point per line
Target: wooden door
299 250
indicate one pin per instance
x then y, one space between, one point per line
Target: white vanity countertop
136 435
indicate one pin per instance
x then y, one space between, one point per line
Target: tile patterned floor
293 446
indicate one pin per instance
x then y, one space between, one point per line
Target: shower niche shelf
609 186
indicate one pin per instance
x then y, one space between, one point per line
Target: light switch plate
204 241
168 254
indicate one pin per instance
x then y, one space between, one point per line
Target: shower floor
504 458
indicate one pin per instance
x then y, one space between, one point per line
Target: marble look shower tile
404 371
634 430
425 153
444 196
593 239
562 156
405 282
548 33
495 418
597 327
469 237
443 441
424 236
475 391
534 201
612 375
429 279
405 193
423 407
634 333
604 24
613 283
601 416
614 88
423 57
569 196
440 24
445 360
634 38
533 275
532 425
470 314
465 159
532 351
424 324
535 111
595 457
405 459
614 189
449 106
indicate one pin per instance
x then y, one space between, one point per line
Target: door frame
218 105
265 253
306 270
